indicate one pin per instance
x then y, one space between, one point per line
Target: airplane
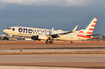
50 34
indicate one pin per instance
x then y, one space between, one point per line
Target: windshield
8 28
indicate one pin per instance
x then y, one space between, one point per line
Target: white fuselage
47 34
29 32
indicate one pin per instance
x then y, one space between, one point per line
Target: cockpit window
8 28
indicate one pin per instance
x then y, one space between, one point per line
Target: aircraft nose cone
4 30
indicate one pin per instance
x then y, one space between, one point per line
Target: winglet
51 31
75 28
52 28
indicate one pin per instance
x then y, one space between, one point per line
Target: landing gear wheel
71 42
51 41
47 41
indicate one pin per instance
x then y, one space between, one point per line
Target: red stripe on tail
84 36
89 32
92 25
91 29
81 32
94 22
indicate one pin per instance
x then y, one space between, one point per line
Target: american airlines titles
31 31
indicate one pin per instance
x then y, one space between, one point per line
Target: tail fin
88 29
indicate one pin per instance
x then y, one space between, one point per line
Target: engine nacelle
39 37
34 37
42 37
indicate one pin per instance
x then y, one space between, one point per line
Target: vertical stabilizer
88 29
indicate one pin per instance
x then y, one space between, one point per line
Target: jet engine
39 37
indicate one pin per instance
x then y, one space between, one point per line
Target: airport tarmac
35 67
57 60
52 46
51 50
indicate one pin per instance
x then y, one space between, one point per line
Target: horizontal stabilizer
93 35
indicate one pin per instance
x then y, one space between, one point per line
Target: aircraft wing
57 35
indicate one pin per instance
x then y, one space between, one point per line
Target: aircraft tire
51 41
71 42
47 41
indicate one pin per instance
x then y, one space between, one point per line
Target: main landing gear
49 41
71 42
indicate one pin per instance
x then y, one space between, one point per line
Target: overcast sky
60 14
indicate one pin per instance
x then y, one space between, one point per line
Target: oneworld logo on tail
51 35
